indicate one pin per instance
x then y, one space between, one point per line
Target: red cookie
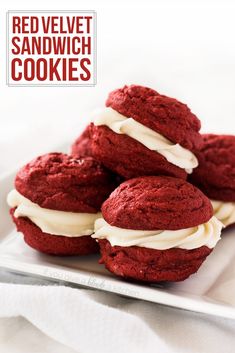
151 203
53 244
165 115
154 203
59 182
82 145
128 157
215 175
151 265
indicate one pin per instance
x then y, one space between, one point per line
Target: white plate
211 290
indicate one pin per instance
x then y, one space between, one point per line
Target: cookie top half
156 202
60 182
163 114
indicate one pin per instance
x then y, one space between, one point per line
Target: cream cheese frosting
120 124
69 224
224 211
207 234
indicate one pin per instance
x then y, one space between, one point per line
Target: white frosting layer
174 153
224 211
207 234
69 224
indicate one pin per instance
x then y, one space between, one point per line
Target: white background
185 49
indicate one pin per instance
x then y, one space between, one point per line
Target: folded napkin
80 319
93 321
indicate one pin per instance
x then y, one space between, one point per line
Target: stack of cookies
141 182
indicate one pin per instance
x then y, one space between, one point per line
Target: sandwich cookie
141 132
156 229
56 201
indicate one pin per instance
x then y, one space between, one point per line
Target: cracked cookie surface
155 202
215 175
60 182
150 265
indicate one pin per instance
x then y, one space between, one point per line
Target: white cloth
91 321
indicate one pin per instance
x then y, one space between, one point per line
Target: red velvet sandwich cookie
215 175
141 132
56 201
82 145
156 229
